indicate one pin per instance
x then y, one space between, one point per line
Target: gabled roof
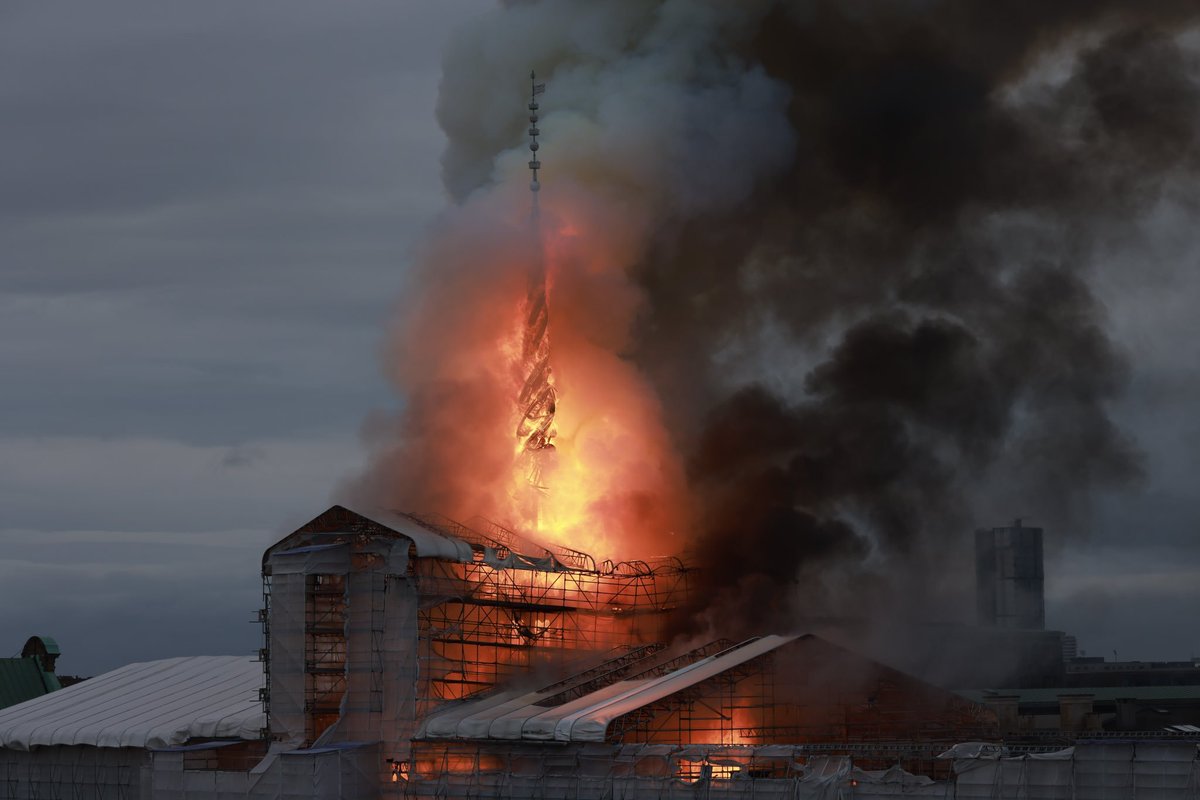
340 520
431 537
517 716
150 704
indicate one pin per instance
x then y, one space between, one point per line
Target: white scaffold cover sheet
152 704
513 715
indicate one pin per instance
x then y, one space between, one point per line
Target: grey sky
205 210
204 216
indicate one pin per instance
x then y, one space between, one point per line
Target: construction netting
347 770
104 773
298 663
1146 770
1124 771
380 618
649 772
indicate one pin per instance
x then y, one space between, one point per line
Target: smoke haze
819 279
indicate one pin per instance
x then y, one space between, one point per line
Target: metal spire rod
537 399
535 89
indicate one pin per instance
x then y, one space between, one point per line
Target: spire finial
535 89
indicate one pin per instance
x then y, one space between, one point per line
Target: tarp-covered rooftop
435 537
517 715
152 704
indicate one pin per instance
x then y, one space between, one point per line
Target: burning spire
537 398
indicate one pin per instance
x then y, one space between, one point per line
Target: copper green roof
51 646
23 679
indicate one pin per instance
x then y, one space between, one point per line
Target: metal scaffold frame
768 699
325 650
600 771
736 706
508 605
479 625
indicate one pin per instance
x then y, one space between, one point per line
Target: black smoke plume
929 248
863 237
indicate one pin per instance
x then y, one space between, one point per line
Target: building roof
48 644
1100 694
431 537
514 715
151 704
429 544
338 521
23 679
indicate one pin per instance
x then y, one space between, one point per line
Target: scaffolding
1154 770
735 706
651 771
481 624
380 620
806 690
763 692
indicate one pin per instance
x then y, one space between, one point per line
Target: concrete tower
1009 579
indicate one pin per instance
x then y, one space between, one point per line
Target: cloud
206 217
146 484
111 598
1134 597
148 543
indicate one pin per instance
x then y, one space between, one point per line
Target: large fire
523 404
595 473
609 483
613 484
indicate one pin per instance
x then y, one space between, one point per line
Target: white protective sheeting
1098 770
379 703
592 723
428 543
444 724
653 772
479 724
151 704
514 715
287 654
544 725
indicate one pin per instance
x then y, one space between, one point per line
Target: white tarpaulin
428 543
592 724
513 715
544 725
150 704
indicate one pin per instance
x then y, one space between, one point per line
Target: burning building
408 655
411 654
375 620
808 291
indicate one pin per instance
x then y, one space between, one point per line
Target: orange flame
612 485
615 485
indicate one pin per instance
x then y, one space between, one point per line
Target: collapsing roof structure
763 690
509 715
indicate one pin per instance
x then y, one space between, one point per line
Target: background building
1009 577
31 675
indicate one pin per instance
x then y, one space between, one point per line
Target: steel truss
479 625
